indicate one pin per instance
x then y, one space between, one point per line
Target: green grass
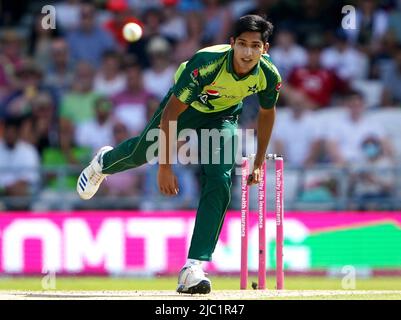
169 283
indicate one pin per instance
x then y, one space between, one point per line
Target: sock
191 262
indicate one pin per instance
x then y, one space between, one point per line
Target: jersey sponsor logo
278 86
218 87
213 93
207 96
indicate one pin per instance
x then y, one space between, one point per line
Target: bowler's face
248 48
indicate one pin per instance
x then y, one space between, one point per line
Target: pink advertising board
157 242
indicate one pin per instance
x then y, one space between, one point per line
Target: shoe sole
202 287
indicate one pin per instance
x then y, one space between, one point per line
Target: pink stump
279 222
244 224
262 228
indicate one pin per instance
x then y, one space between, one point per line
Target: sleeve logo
278 86
194 76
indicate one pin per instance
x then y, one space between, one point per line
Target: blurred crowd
65 92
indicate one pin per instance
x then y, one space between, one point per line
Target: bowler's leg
133 152
215 195
128 154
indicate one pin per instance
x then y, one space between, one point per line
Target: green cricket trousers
215 167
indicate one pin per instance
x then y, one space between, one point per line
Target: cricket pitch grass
224 288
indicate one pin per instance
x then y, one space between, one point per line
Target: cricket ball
132 32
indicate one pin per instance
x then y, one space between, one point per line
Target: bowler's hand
167 181
254 177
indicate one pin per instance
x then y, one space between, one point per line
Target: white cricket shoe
192 280
91 177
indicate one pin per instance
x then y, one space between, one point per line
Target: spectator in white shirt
342 58
345 136
110 79
160 76
296 134
99 131
19 166
286 54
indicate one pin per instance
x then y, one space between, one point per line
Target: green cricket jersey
208 83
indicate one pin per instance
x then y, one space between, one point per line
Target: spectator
193 41
12 11
96 132
29 84
372 177
11 57
130 105
160 76
173 26
66 152
317 84
41 129
143 6
19 165
110 79
64 155
40 42
315 17
371 25
390 75
217 17
127 183
89 42
348 63
12 48
60 70
286 54
78 105
296 135
388 46
394 22
345 135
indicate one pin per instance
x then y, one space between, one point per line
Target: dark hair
253 23
351 93
111 54
12 121
131 61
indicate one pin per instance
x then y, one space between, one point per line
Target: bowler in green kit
207 95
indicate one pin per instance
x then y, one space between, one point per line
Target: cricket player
207 94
